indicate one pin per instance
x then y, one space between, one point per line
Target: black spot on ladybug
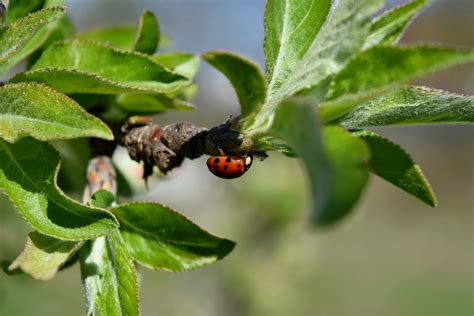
228 159
239 165
225 167
216 161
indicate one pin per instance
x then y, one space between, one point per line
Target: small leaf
148 34
245 76
290 28
109 277
150 104
336 161
348 157
28 171
43 256
85 67
185 64
297 124
31 109
338 41
16 36
390 162
382 66
160 238
412 105
102 199
121 37
389 27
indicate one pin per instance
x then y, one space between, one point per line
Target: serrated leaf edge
60 192
231 243
424 179
73 103
11 52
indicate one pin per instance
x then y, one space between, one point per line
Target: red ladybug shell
229 167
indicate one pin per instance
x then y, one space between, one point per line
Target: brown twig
167 146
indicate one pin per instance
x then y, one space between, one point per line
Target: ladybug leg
221 151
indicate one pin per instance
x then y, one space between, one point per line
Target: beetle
229 166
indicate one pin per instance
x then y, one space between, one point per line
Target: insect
229 167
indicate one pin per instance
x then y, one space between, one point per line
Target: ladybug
229 167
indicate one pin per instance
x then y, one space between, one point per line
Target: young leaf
102 199
382 66
16 36
336 161
31 109
412 105
290 28
245 76
160 238
86 67
390 162
185 64
349 158
43 256
389 27
150 104
338 41
28 171
121 37
109 277
148 34
297 124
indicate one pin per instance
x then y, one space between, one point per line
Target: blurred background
392 256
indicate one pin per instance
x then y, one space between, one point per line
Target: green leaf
297 124
121 37
15 39
43 256
381 66
412 105
182 63
381 69
389 27
335 160
338 41
290 28
19 8
148 34
102 199
109 277
28 171
390 162
245 76
150 104
31 109
85 67
348 157
160 238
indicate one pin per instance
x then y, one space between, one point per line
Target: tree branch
167 146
